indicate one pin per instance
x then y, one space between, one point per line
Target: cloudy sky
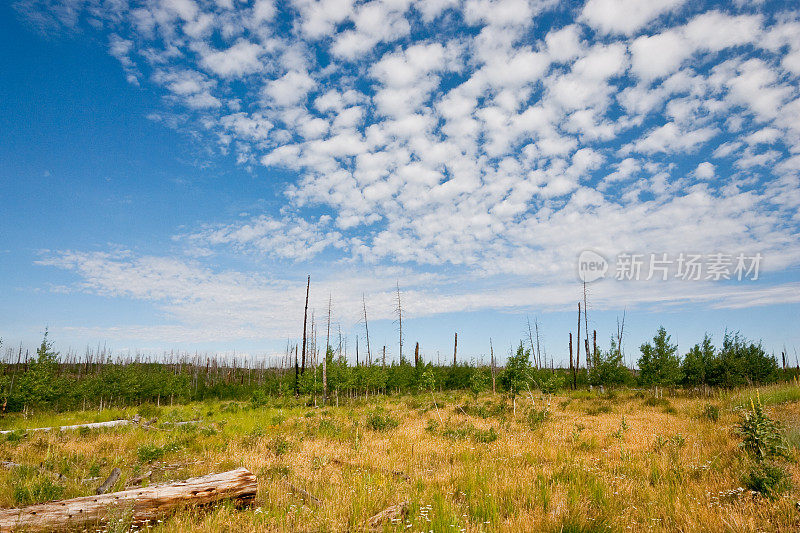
171 170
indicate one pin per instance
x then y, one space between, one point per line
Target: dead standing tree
578 343
399 310
530 340
305 319
366 328
491 355
571 365
325 357
586 326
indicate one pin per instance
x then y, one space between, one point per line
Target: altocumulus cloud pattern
466 141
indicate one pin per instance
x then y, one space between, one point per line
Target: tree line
47 381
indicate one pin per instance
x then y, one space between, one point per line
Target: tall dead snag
538 346
143 504
586 348
400 320
530 340
578 343
366 328
416 355
571 366
455 350
305 319
325 359
491 356
586 325
620 333
296 374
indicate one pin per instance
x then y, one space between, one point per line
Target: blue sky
171 170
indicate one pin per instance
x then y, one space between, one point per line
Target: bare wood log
394 513
94 425
143 504
304 494
137 481
109 482
385 471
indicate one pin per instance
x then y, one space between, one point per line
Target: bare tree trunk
530 340
571 366
400 320
538 346
366 328
305 319
416 355
578 343
585 321
455 349
325 359
491 352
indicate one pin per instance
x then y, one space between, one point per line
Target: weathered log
135 482
93 425
304 494
142 505
109 482
393 514
385 471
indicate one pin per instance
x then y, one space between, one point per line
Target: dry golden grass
596 463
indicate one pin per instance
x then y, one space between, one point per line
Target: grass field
576 461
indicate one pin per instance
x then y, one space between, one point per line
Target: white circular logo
591 266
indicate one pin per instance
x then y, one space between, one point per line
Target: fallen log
93 425
142 505
135 482
385 471
304 494
392 514
109 482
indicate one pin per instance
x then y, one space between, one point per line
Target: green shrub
147 453
485 435
40 491
15 436
379 421
766 478
652 401
711 412
537 417
279 445
762 437
597 409
148 411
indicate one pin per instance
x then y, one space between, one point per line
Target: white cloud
659 55
624 16
705 170
670 138
289 89
479 151
241 58
376 21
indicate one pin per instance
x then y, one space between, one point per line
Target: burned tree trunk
305 319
